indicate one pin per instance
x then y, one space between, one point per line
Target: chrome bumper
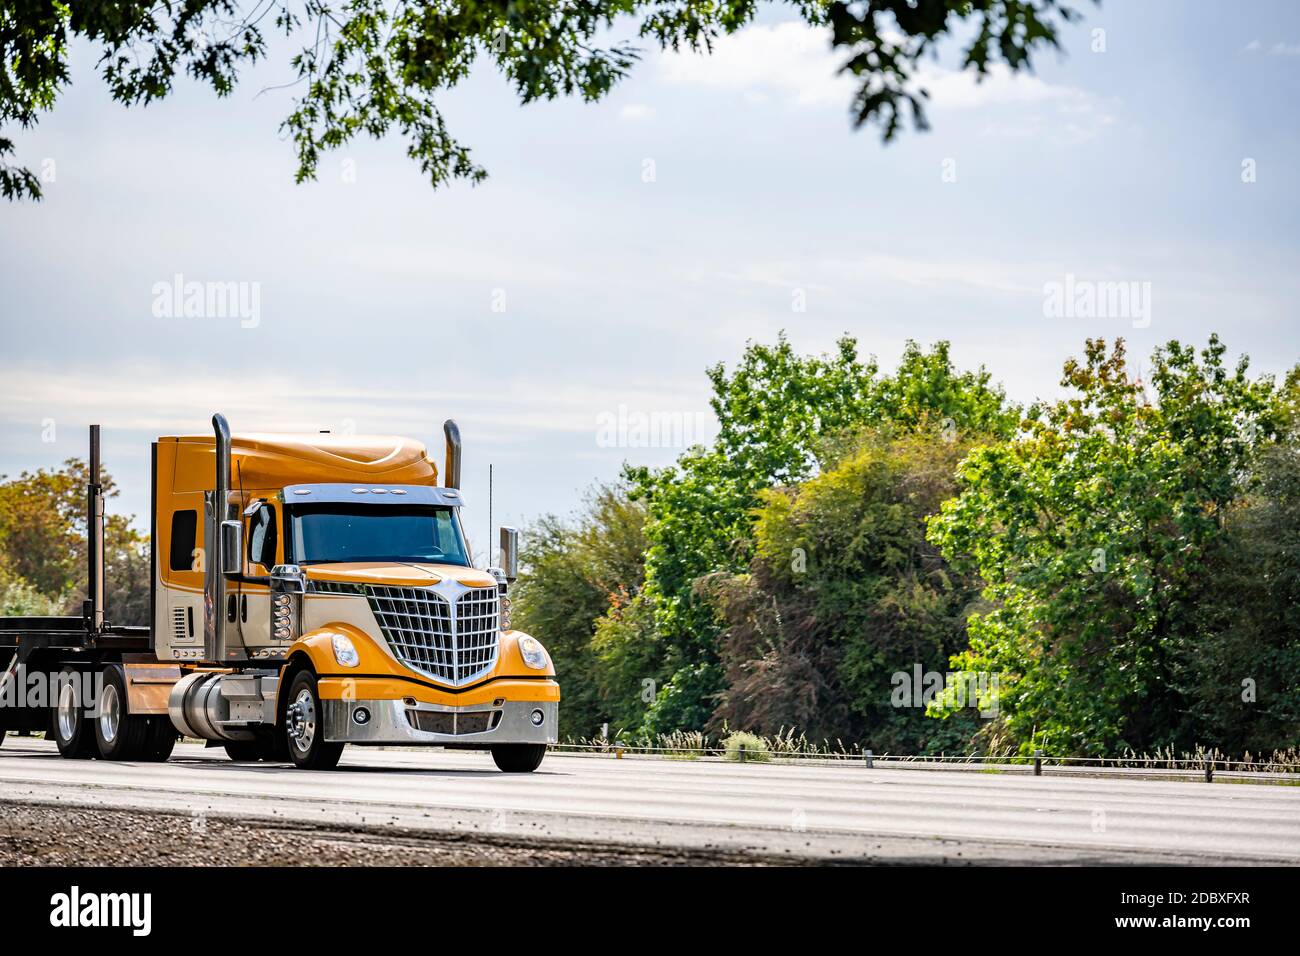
390 722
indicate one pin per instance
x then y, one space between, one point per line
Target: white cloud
144 398
848 276
1277 49
793 63
790 61
635 111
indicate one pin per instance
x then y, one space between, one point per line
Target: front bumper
398 722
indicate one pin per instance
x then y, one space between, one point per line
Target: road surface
768 812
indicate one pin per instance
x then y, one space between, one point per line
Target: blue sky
377 294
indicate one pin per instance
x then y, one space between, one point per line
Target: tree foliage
775 409
373 66
43 546
1241 673
844 592
573 573
1097 533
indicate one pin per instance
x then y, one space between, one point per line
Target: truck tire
119 735
303 728
275 747
73 734
518 758
159 739
244 751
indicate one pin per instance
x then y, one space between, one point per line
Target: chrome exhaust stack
451 475
222 546
94 606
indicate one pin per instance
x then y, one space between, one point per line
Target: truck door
262 534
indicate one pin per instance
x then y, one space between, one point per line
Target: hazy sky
377 294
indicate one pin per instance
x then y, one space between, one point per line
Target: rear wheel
119 735
160 738
518 758
73 734
304 729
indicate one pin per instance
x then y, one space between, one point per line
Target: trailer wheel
304 729
72 731
120 735
159 739
518 758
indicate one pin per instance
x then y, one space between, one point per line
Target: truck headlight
505 613
533 653
344 651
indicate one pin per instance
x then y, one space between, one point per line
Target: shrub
755 747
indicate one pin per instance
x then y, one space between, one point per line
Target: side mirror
232 547
510 552
288 579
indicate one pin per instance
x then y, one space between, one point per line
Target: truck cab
312 591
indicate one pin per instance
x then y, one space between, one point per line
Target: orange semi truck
307 592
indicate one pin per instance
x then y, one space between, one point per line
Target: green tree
1241 676
843 593
572 573
20 599
1095 533
43 543
771 409
774 410
371 66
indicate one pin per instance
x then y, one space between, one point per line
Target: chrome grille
448 632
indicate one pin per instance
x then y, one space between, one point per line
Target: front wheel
304 728
518 758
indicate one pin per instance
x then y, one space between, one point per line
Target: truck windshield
330 533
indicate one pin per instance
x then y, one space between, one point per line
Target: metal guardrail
1205 767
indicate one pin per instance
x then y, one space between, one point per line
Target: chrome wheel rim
110 713
302 721
67 711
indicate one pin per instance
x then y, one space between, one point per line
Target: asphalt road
831 813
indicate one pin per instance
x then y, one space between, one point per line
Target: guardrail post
866 758
1038 763
1209 771
742 753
